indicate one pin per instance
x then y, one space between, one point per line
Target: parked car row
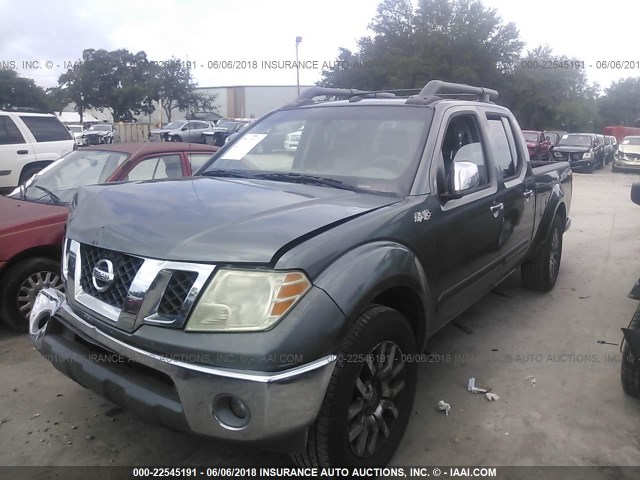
585 151
199 131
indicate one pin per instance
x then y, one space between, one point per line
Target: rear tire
20 286
368 403
630 370
541 272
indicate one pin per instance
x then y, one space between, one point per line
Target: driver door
466 228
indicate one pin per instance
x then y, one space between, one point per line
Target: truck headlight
241 300
586 155
557 154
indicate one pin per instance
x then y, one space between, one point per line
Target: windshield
631 141
58 182
75 129
102 128
530 136
367 148
576 140
174 125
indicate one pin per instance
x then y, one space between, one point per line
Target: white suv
28 143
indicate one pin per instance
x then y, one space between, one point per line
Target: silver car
181 131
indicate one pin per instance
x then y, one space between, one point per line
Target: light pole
298 40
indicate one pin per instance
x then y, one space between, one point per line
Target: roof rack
437 89
433 91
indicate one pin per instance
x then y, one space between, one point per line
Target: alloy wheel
30 288
379 387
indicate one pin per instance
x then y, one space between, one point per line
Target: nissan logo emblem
103 276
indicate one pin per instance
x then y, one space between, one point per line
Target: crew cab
32 218
278 299
537 144
582 150
29 142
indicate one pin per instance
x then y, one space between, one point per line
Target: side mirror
635 193
464 176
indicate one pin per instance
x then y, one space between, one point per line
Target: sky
232 42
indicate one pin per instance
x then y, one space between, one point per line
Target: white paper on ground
472 386
243 146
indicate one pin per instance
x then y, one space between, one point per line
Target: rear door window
197 160
166 166
9 133
46 129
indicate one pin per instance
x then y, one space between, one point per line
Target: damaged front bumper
229 404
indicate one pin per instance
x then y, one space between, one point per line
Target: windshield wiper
310 180
52 195
226 173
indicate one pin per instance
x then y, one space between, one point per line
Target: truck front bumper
217 402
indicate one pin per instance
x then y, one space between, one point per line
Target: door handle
527 194
23 152
496 208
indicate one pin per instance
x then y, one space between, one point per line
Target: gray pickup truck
280 299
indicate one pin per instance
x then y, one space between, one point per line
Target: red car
33 217
537 144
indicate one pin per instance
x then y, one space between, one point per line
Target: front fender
355 279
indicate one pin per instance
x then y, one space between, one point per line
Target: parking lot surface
576 414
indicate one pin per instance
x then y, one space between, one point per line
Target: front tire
630 369
541 272
20 286
370 395
176 138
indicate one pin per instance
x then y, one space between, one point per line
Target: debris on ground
444 406
586 296
492 397
35 416
602 342
473 389
532 378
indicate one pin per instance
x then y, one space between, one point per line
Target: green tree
550 98
620 104
177 90
16 91
118 80
456 40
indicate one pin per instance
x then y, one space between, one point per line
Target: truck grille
176 293
141 291
125 269
576 156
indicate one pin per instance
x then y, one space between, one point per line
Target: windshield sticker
243 146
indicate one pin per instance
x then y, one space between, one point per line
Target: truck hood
21 216
571 149
217 220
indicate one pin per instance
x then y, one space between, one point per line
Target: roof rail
438 88
306 97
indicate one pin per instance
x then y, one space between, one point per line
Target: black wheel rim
373 411
554 256
30 288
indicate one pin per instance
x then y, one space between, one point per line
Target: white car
76 131
291 141
28 143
